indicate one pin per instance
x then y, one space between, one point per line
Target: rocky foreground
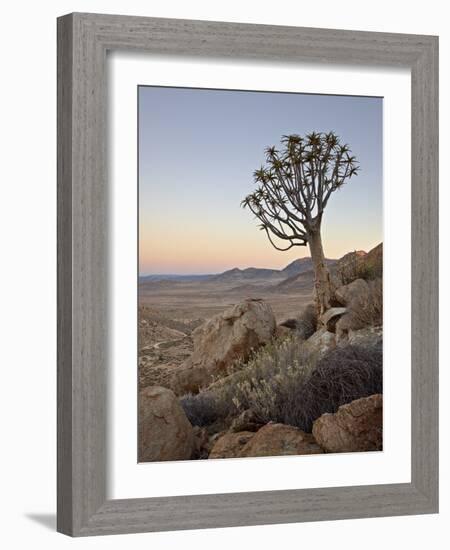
243 386
166 434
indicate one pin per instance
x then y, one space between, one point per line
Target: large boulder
230 444
165 433
356 426
224 339
348 268
322 341
359 265
356 289
280 439
373 262
202 444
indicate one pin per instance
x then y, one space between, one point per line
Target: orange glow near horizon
192 251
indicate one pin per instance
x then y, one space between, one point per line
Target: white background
28 300
131 480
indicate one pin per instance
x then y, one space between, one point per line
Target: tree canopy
295 185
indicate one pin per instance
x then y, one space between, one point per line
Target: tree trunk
322 281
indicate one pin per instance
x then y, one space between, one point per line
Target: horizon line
190 273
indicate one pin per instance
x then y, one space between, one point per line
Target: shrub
266 384
367 310
251 385
285 382
204 408
298 390
306 322
342 375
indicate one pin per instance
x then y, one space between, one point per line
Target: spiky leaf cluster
295 184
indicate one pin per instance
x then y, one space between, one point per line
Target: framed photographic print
247 274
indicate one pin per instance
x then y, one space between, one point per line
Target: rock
368 337
373 262
201 443
342 329
187 378
347 268
165 433
224 339
322 341
356 426
215 437
246 422
359 265
331 317
280 439
356 289
230 444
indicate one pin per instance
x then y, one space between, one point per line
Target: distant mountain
249 274
237 276
296 277
297 282
297 266
301 275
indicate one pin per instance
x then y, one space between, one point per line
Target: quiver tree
294 187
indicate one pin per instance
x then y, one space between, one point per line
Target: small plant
266 385
306 322
204 408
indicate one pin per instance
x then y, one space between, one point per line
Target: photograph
260 273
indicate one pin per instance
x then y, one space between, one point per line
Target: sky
198 150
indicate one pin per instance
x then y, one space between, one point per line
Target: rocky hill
236 276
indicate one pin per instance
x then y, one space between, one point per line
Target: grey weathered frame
83 40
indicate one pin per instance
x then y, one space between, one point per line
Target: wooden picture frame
83 40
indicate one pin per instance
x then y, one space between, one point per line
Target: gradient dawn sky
197 153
